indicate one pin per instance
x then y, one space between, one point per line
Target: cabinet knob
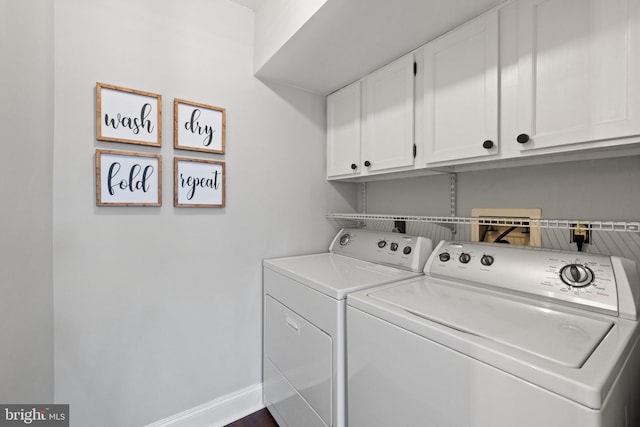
354 166
488 144
522 138
367 163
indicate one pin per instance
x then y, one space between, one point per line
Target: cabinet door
461 92
388 138
343 131
579 71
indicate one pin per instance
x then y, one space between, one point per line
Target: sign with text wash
128 115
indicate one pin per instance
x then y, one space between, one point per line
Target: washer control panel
393 249
576 278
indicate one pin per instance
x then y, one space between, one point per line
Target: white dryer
498 336
304 373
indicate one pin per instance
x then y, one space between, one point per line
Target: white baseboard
219 412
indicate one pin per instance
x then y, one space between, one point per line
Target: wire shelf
564 224
618 238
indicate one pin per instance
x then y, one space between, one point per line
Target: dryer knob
394 246
486 260
464 258
344 239
382 244
444 256
407 250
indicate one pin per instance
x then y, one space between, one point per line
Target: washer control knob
576 275
344 239
486 260
382 244
407 250
464 258
444 256
394 246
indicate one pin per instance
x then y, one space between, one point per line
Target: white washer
304 371
498 336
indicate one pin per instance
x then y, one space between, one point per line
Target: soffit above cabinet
348 39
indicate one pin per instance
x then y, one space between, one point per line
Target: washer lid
336 275
560 337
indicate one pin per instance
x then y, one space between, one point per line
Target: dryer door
302 353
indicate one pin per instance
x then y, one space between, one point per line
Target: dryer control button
344 239
382 244
486 260
464 258
407 250
444 256
394 246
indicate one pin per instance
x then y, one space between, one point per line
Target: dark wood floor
261 418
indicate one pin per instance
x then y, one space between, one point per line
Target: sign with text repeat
198 183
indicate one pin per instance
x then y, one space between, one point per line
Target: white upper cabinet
578 72
344 131
460 79
388 140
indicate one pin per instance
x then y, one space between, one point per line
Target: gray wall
26 123
157 310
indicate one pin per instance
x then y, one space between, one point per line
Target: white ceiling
347 39
251 4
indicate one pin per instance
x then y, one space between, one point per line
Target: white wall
158 310
589 190
26 122
276 22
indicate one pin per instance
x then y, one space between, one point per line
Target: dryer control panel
598 282
393 249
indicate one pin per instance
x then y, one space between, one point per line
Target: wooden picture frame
198 183
127 115
128 179
199 127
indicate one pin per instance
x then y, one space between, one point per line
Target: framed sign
198 183
198 127
128 115
128 179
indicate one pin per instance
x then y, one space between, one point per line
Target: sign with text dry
198 183
128 115
198 127
128 179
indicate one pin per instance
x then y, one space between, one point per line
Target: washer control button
382 244
486 260
394 246
576 275
407 250
444 256
344 239
464 258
